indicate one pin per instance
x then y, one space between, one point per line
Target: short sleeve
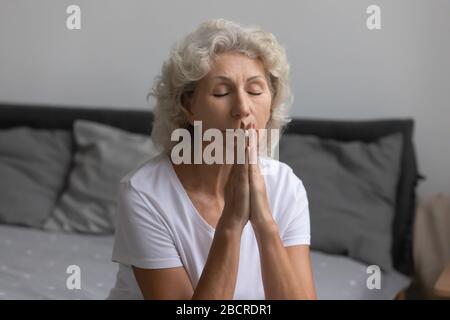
142 238
297 231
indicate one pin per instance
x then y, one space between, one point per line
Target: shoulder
279 174
149 188
141 177
141 189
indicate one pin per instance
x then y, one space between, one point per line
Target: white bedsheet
33 265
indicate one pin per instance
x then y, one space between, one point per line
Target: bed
34 262
33 265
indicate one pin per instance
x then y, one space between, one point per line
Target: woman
216 231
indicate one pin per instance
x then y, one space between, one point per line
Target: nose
241 107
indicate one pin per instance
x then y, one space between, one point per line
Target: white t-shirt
158 226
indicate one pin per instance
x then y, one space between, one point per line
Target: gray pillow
104 155
33 167
351 189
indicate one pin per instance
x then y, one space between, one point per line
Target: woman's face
234 92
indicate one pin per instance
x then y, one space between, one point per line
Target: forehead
229 64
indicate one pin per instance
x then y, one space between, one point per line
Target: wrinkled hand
236 212
245 192
260 213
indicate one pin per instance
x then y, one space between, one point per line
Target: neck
208 179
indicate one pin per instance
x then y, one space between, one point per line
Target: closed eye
225 94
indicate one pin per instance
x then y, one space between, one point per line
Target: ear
186 106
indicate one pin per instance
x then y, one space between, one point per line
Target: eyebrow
228 79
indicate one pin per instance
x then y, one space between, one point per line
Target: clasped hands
245 191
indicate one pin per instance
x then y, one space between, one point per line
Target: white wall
340 69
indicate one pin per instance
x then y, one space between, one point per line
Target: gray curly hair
190 60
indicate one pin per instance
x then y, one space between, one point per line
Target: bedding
369 131
104 154
33 166
351 190
33 265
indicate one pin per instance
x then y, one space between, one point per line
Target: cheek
263 113
215 105
205 108
263 119
211 112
